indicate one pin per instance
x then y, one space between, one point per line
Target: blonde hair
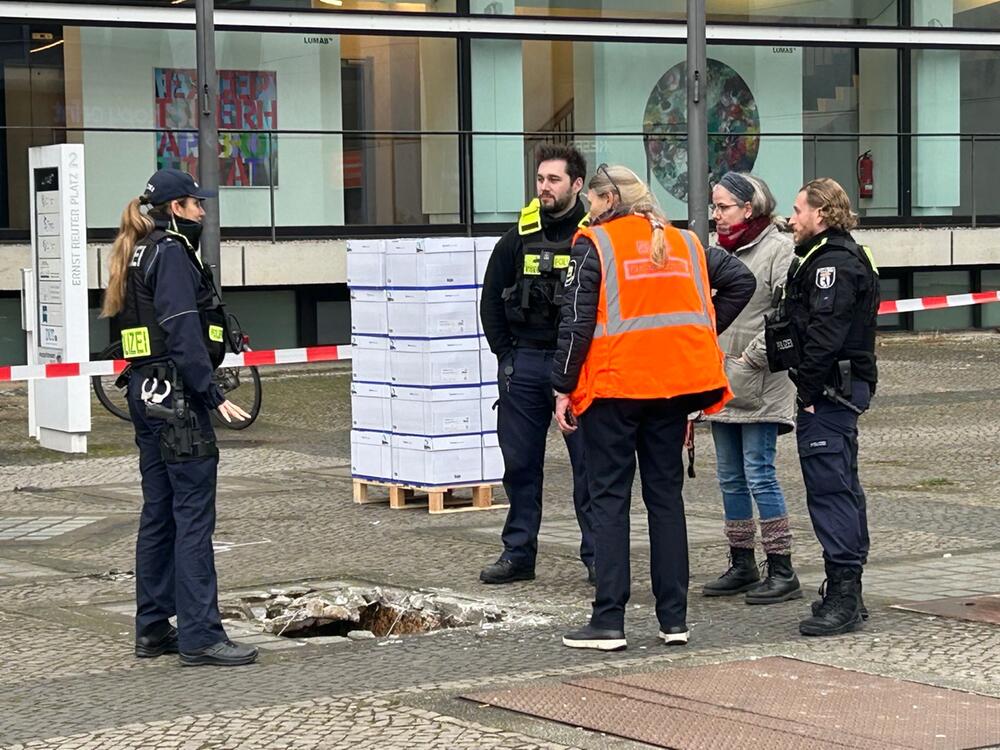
133 227
831 200
634 197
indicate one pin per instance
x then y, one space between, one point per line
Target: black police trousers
174 560
523 418
828 454
615 431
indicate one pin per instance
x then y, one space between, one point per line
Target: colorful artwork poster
248 103
733 121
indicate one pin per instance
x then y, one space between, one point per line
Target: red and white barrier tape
115 366
937 303
333 353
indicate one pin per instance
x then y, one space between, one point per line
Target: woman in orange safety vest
638 351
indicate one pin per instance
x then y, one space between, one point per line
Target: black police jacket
732 282
832 299
505 271
169 301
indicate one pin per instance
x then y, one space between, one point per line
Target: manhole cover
342 609
971 608
774 703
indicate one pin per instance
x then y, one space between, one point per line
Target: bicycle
112 390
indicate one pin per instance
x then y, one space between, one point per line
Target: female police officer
173 332
637 353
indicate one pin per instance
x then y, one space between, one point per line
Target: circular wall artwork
731 110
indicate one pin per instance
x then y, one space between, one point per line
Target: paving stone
929 451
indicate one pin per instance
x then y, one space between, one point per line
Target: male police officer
825 334
522 293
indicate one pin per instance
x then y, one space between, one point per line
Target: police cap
173 184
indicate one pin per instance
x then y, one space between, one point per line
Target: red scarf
743 233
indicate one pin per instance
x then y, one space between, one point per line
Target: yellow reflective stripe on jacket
871 258
806 257
530 220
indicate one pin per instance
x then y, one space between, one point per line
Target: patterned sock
776 536
741 533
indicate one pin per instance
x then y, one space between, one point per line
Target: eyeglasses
719 208
614 185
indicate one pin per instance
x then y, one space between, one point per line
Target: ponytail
133 227
635 197
648 207
658 245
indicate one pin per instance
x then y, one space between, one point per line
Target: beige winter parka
760 395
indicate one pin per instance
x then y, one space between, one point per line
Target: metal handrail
466 139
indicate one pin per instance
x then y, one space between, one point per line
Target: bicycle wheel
112 398
241 385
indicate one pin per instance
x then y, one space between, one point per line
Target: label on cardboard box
457 424
455 374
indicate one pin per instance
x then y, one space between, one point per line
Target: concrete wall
243 264
325 261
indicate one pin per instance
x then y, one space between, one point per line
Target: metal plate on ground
971 608
776 703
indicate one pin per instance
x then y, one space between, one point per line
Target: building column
497 105
937 161
877 113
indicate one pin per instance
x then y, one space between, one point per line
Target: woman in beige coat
746 431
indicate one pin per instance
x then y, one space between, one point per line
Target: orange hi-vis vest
655 334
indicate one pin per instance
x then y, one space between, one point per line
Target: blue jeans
745 468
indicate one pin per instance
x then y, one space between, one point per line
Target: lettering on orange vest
655 333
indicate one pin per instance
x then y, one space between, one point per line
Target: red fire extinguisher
866 175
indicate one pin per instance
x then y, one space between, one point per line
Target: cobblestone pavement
67 527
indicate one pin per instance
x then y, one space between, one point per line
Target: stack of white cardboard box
424 381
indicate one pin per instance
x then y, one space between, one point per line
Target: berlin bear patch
826 277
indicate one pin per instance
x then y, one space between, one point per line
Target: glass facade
955 93
786 113
409 118
331 6
335 131
334 128
832 12
967 14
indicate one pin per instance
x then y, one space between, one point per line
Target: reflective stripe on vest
616 324
867 251
804 258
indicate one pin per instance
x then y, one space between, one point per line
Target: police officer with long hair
637 353
823 333
174 334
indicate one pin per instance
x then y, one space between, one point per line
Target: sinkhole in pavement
342 609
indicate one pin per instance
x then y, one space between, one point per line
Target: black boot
780 585
861 601
742 575
506 571
839 611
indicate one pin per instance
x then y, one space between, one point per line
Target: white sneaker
602 640
675 636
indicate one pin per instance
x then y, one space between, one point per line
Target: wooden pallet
435 499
